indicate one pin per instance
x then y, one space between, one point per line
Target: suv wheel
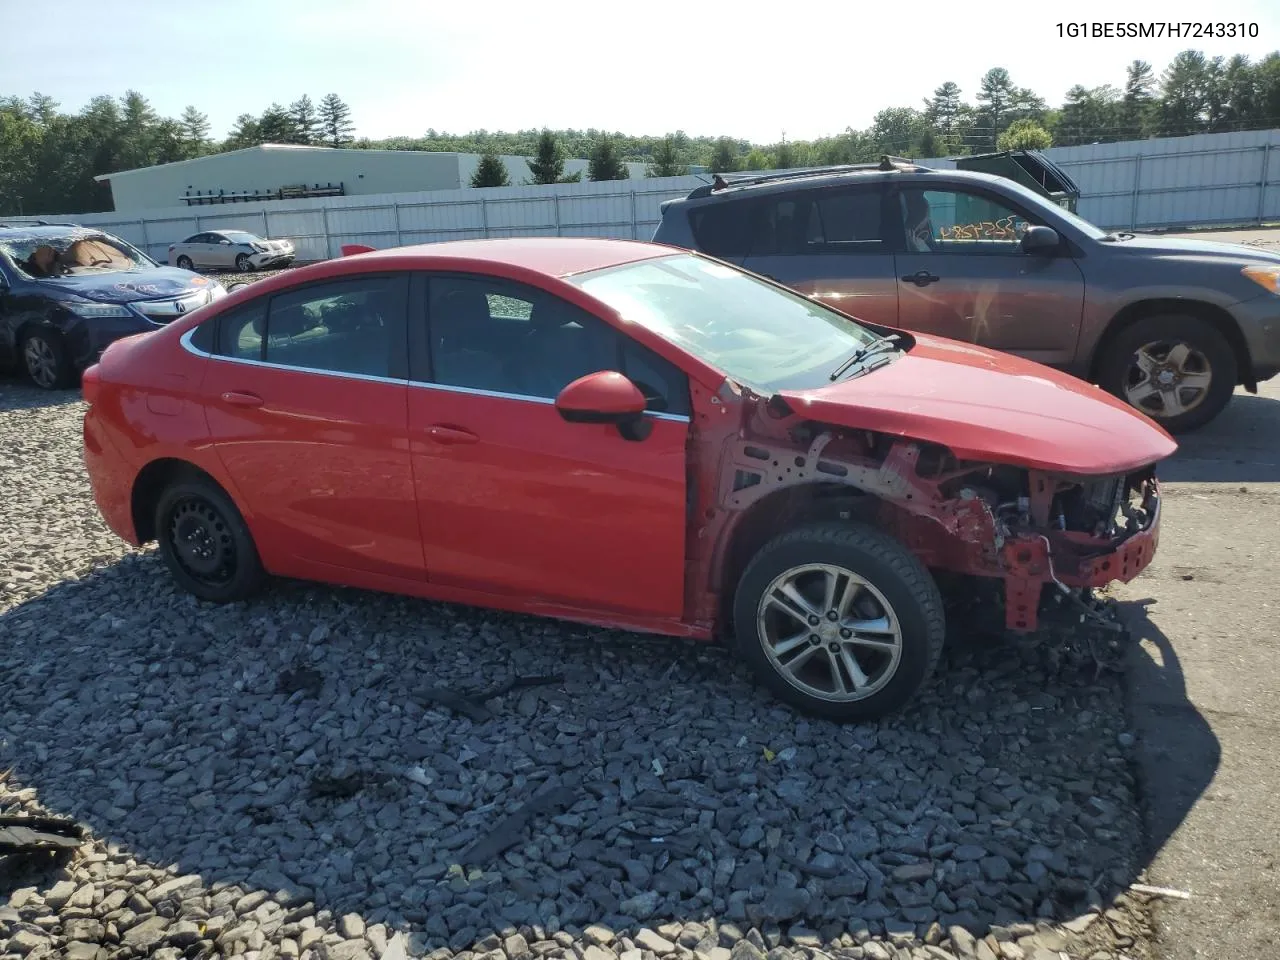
46 361
205 542
1179 370
839 620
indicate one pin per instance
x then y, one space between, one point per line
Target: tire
243 264
45 360
184 263
896 590
196 513
1184 349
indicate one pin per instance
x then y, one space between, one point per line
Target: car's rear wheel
45 358
184 263
206 543
1179 370
243 264
839 620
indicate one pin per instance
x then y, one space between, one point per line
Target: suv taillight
90 381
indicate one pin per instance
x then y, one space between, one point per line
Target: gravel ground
276 779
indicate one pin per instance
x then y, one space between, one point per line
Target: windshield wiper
871 349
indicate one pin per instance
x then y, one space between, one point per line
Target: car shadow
283 745
1237 446
1176 751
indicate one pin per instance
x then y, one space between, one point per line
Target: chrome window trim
185 341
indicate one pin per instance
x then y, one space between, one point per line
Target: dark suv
1170 325
67 292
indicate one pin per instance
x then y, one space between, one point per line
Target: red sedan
624 434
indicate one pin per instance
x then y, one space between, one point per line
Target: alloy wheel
829 632
1168 378
202 541
41 361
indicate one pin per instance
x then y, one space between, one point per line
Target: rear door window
720 229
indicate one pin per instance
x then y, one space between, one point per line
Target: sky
800 69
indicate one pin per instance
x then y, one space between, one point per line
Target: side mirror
225 243
605 397
1040 240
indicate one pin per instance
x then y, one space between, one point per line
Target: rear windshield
72 255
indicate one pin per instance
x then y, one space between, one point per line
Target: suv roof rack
33 222
885 164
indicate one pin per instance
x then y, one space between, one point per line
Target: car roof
738 186
552 256
18 229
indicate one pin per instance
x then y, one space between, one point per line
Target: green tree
1137 103
195 130
605 163
757 159
1025 134
1087 116
491 172
996 94
306 124
547 163
897 130
725 157
335 121
244 134
20 136
276 126
942 111
666 160
1184 100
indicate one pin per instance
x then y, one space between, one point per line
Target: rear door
513 500
965 276
830 244
306 405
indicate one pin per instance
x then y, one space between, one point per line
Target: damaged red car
622 434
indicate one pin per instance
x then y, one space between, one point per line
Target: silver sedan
230 249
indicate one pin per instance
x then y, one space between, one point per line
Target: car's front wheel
839 620
1179 370
46 362
243 263
205 542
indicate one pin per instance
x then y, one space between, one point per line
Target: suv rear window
720 229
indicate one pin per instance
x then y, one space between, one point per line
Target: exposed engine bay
1050 538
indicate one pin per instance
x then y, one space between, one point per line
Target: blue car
67 292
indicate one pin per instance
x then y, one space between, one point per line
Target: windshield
239 236
764 337
1031 198
72 255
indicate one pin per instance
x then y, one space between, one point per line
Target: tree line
48 157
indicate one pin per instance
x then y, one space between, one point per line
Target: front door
512 499
828 244
305 401
964 275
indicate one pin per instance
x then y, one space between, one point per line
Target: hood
1190 248
990 406
128 287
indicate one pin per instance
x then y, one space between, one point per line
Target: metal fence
627 209
1229 178
1217 178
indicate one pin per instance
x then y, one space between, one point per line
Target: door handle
241 398
921 278
443 434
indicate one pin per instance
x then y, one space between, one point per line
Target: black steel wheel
206 543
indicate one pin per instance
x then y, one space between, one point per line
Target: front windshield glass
46 256
764 337
239 236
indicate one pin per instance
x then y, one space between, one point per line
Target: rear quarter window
720 229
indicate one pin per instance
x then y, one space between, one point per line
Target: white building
273 171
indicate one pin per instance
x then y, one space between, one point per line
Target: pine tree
195 130
1136 107
491 172
335 121
942 110
547 164
666 160
277 126
245 133
604 162
305 123
996 93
